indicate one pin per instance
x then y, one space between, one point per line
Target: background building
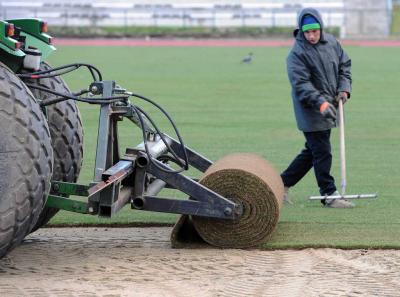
354 18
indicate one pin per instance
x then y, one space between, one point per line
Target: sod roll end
251 181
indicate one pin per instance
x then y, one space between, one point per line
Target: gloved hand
328 110
341 96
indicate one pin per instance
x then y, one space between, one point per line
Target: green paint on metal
10 55
17 53
32 27
45 48
70 188
67 204
7 43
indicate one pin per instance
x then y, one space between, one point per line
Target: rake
343 166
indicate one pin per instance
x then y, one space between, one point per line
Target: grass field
396 20
222 106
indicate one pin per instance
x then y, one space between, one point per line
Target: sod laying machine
235 204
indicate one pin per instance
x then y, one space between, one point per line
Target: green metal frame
64 188
7 43
30 28
11 55
67 204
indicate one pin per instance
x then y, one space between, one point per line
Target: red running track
209 42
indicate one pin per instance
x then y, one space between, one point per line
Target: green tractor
235 204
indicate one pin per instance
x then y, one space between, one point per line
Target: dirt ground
140 262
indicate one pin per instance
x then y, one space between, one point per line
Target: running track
209 42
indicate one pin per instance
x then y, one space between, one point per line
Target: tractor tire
66 133
26 159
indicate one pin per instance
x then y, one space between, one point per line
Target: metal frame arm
204 201
195 159
188 207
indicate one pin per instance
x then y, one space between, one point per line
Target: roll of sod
251 181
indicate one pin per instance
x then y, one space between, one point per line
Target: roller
246 179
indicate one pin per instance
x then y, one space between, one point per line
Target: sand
140 262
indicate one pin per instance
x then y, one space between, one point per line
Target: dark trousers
317 154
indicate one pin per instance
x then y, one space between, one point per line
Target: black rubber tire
26 160
66 133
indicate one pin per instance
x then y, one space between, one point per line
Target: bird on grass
247 59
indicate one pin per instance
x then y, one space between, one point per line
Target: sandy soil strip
209 42
139 262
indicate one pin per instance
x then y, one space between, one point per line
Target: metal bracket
203 201
58 187
67 204
196 160
106 194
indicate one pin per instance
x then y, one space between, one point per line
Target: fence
125 14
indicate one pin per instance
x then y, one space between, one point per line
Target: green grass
396 20
222 107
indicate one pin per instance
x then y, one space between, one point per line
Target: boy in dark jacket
319 72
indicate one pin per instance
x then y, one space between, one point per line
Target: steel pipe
155 187
156 147
356 196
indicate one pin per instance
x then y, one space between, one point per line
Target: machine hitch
140 174
235 203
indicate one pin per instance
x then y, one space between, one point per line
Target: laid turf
222 106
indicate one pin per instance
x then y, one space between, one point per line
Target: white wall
352 16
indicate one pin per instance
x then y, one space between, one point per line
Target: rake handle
342 148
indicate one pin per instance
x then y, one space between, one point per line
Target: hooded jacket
317 73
